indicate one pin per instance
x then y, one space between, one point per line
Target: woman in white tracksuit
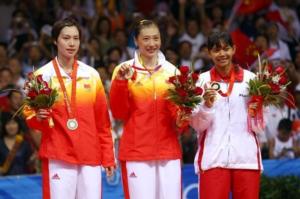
228 158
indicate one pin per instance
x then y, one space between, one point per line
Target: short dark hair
285 124
216 38
67 22
141 25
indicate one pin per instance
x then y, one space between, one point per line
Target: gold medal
72 124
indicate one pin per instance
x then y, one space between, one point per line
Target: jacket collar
138 66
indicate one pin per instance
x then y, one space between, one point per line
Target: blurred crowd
26 44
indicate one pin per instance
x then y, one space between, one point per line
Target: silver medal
72 124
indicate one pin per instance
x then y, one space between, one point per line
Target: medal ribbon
231 82
150 71
70 106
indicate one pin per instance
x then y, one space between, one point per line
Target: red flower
198 91
46 91
283 80
45 84
195 76
186 109
275 87
181 92
39 79
183 79
279 69
269 68
172 79
184 70
32 94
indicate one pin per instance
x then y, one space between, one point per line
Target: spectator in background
297 62
15 152
295 115
172 56
6 78
32 57
45 42
6 83
92 53
16 68
102 30
114 54
120 40
186 57
3 56
20 32
283 146
193 35
204 56
282 50
172 34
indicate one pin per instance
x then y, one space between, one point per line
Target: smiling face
222 54
68 42
148 41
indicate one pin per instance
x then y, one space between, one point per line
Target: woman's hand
125 72
210 97
42 114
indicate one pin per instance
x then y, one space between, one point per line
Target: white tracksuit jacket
224 140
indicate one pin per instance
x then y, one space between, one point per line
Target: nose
71 42
151 42
221 53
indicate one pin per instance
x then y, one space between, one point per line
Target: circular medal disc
215 86
72 124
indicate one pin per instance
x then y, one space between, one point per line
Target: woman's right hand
210 97
42 114
124 72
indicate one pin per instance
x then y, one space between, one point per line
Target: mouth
152 50
71 51
222 60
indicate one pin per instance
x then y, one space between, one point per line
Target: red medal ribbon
70 105
231 83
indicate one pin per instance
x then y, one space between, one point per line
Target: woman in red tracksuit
149 151
80 142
